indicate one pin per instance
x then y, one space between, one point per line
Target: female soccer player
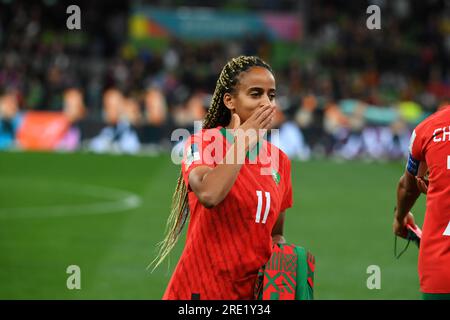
236 208
430 145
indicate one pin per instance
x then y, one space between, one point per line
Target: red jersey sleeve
198 151
415 152
416 145
287 198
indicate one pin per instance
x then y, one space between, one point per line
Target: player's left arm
277 231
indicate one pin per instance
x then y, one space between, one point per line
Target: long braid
218 114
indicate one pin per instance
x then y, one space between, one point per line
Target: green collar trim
276 176
227 135
251 154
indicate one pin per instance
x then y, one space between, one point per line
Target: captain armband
413 165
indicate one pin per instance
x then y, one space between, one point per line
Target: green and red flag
288 275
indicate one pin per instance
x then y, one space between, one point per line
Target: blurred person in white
75 111
291 139
10 119
378 141
118 136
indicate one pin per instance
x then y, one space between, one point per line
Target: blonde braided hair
218 115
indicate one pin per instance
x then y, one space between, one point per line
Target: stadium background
86 115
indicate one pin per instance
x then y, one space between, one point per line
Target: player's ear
228 101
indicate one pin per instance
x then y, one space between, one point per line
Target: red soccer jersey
430 142
226 245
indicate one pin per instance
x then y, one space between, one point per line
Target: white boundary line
116 200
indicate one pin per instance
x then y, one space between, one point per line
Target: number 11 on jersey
260 204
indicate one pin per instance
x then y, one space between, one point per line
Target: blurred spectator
292 142
75 111
335 125
119 135
10 119
290 138
305 114
401 135
400 74
156 115
196 108
350 136
193 110
132 112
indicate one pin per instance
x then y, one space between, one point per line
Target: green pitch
106 213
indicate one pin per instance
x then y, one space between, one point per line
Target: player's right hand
261 118
260 121
255 127
399 227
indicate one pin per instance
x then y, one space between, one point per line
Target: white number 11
258 209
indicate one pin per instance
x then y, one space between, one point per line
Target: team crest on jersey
276 176
192 155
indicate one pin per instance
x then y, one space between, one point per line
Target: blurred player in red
236 198
429 148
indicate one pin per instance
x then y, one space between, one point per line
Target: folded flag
288 275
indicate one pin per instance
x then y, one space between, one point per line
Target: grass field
106 213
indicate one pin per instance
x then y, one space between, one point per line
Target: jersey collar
251 154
